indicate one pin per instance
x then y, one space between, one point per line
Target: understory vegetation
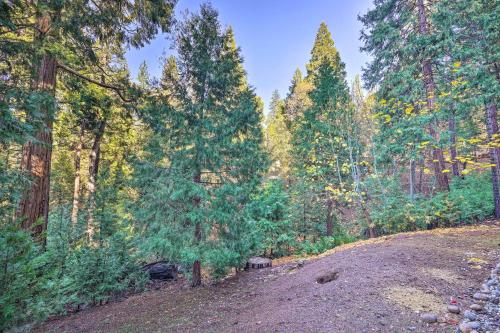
101 174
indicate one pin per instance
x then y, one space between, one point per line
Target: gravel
484 315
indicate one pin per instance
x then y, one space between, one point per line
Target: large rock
161 270
258 262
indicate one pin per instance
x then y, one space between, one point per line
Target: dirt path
381 286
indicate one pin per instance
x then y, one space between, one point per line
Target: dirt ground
382 285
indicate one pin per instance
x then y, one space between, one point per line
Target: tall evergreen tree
467 35
143 76
397 34
213 149
59 35
319 141
278 138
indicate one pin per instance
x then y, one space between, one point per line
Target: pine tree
321 160
143 76
66 34
278 138
468 36
213 149
297 99
397 33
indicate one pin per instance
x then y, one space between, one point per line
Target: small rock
476 307
498 266
481 297
429 317
411 328
474 324
470 315
453 309
465 327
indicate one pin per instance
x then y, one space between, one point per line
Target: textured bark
94 159
196 273
453 146
33 208
420 176
492 127
430 87
77 181
413 176
329 218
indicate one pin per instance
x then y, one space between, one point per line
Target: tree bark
492 128
329 218
77 181
413 176
196 273
430 87
453 146
94 159
33 208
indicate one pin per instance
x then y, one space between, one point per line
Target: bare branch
100 84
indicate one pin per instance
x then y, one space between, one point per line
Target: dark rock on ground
161 270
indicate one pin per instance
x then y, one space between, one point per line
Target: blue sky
275 36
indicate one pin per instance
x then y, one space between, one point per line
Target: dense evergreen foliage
101 174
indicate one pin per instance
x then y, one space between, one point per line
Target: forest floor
382 285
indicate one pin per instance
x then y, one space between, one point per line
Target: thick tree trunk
430 87
329 218
77 181
196 273
453 146
492 127
94 159
34 206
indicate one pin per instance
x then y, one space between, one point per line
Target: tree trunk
419 187
412 179
430 87
77 185
453 146
92 184
196 273
34 206
329 218
492 126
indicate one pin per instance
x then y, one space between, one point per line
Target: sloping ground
382 285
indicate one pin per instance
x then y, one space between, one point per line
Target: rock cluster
484 314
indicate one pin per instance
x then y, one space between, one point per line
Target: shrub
468 200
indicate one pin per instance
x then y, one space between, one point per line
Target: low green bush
469 200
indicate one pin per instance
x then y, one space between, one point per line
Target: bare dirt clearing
381 285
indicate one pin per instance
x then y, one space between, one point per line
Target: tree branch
100 84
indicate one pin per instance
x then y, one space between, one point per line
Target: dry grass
414 299
442 274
